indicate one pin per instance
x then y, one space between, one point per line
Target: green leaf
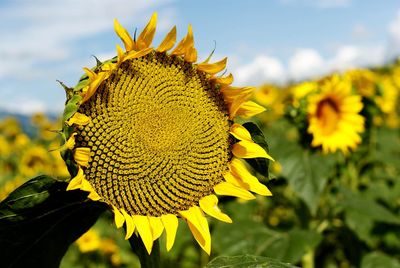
246 261
286 246
40 219
362 212
260 165
379 260
307 173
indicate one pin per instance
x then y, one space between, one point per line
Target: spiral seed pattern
159 136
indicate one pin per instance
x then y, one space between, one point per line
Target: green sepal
39 221
83 82
68 90
71 107
260 165
98 62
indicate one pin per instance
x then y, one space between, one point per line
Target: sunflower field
322 158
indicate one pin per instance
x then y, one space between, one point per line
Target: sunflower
334 119
151 133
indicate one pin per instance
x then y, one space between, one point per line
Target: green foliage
379 260
260 240
249 261
39 221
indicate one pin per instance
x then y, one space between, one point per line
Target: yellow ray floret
82 156
168 42
76 182
209 205
185 44
130 226
144 229
198 225
246 147
213 68
170 223
225 81
146 36
229 189
240 171
78 119
124 35
249 109
240 132
157 227
79 182
118 217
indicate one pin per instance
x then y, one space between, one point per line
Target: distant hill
25 120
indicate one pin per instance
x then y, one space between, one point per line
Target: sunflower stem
146 260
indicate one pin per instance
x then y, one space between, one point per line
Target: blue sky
266 41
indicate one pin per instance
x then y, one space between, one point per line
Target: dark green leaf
260 165
379 260
362 211
286 246
307 174
246 261
39 221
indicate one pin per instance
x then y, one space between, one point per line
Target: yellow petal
144 229
186 43
82 156
209 205
76 182
226 188
240 132
170 223
224 80
228 176
213 68
89 73
157 227
146 36
130 226
93 85
249 109
118 217
78 119
137 54
124 35
247 149
70 144
120 55
198 225
168 41
86 186
191 55
240 171
232 93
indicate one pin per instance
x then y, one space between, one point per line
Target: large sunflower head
152 134
333 114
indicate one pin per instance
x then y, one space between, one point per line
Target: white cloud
43 31
306 63
24 106
261 69
393 49
351 56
